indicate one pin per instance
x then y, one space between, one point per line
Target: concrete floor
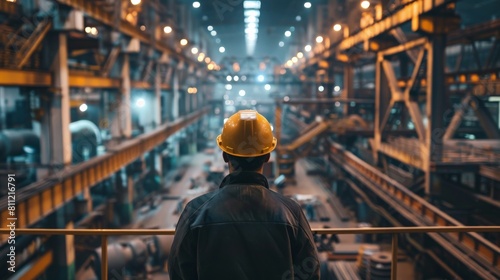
164 216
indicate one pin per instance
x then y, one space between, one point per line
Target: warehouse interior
387 114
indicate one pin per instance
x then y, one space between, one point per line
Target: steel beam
485 119
83 81
435 109
23 78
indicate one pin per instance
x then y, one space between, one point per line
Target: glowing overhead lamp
319 39
140 102
365 4
308 48
184 42
337 27
83 107
167 29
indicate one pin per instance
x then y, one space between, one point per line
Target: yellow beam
80 81
38 267
11 77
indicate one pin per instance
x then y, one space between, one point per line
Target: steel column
435 109
121 125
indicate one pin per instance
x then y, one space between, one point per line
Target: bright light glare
236 78
229 87
213 33
307 5
184 42
321 88
242 93
222 49
288 33
194 50
336 88
319 39
210 28
281 44
140 102
83 107
167 29
300 55
308 48
260 78
196 4
229 78
135 2
267 87
365 4
251 4
337 27
295 59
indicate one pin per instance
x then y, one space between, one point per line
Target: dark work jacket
243 231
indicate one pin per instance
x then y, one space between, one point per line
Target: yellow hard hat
247 134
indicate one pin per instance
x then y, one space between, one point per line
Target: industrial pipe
85 138
12 142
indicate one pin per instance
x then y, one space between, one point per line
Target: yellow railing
104 233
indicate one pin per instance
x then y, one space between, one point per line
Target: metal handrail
104 233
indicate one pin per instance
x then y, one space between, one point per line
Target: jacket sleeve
182 258
306 260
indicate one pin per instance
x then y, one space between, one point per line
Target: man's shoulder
196 203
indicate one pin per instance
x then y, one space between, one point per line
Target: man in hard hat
243 230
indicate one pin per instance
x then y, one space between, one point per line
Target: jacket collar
245 178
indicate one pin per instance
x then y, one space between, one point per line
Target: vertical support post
435 106
277 134
382 99
104 257
125 197
175 94
348 91
158 96
394 263
63 266
121 126
56 142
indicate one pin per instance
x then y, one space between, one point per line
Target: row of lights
210 28
365 4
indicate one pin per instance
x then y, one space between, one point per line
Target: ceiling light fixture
308 48
184 42
196 4
319 39
288 33
135 2
365 4
281 44
167 29
337 27
222 49
300 55
210 28
307 5
83 107
194 50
